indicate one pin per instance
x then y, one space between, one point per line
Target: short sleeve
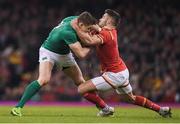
105 36
70 38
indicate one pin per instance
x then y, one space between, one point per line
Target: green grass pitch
66 114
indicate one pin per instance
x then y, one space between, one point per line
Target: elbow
81 55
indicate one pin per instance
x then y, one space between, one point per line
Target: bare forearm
78 50
89 40
85 38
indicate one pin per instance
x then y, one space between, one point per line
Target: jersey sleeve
105 36
70 38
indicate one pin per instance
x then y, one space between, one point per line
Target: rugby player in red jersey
115 74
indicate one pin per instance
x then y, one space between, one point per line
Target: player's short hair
87 19
115 15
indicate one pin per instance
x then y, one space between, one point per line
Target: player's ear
80 24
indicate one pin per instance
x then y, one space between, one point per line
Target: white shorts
119 81
61 60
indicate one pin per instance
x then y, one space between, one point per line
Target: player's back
61 36
108 52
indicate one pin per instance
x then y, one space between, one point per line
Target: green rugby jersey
61 36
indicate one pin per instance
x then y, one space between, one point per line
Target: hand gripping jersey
61 36
108 53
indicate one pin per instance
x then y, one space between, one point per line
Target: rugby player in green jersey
56 49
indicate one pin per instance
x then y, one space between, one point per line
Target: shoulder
104 32
68 33
106 35
67 19
69 37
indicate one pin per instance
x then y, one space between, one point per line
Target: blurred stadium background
149 42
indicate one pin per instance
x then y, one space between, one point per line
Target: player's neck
110 27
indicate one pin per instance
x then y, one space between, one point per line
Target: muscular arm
78 50
88 39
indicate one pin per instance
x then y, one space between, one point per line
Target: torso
61 36
108 52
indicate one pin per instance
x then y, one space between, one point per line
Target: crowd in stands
149 43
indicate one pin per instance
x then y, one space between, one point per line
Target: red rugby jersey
108 53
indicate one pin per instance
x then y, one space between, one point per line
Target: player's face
103 20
